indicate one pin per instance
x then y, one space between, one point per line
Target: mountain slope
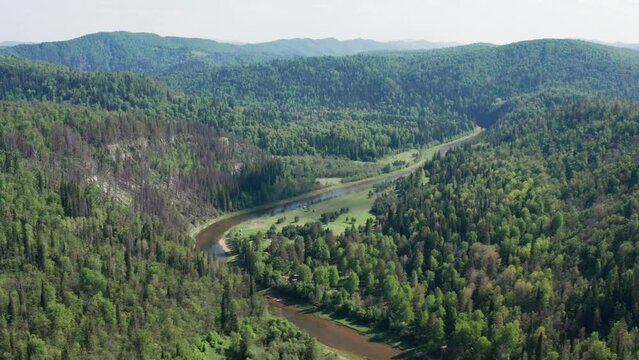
468 80
356 135
181 171
150 53
134 52
223 176
334 47
4 44
521 246
28 80
95 257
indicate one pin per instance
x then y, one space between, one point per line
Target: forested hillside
522 246
471 81
138 52
95 257
37 81
151 53
93 261
178 170
358 135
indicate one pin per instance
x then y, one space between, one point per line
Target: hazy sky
466 21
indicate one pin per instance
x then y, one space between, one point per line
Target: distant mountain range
4 44
154 54
151 53
393 80
334 47
618 44
625 45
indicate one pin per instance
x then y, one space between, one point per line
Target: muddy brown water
328 332
209 238
333 334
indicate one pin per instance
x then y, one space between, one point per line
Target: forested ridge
412 98
38 81
85 276
95 256
138 52
522 246
355 135
153 54
468 80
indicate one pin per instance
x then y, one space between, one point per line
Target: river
328 332
209 238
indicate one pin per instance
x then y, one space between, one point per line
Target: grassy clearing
409 157
351 170
329 181
358 202
425 154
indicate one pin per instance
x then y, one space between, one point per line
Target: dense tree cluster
522 246
174 169
153 54
349 134
83 276
469 81
138 52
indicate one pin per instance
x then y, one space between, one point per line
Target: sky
249 21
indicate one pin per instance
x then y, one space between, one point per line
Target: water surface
333 334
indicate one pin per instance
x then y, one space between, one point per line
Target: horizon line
242 43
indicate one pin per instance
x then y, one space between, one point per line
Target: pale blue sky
466 21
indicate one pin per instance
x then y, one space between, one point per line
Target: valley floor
358 200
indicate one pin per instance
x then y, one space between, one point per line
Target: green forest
153 54
520 246
523 244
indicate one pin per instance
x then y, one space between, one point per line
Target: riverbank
425 155
400 348
357 202
333 334
211 238
224 246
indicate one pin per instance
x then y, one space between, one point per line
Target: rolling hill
471 81
4 44
151 53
